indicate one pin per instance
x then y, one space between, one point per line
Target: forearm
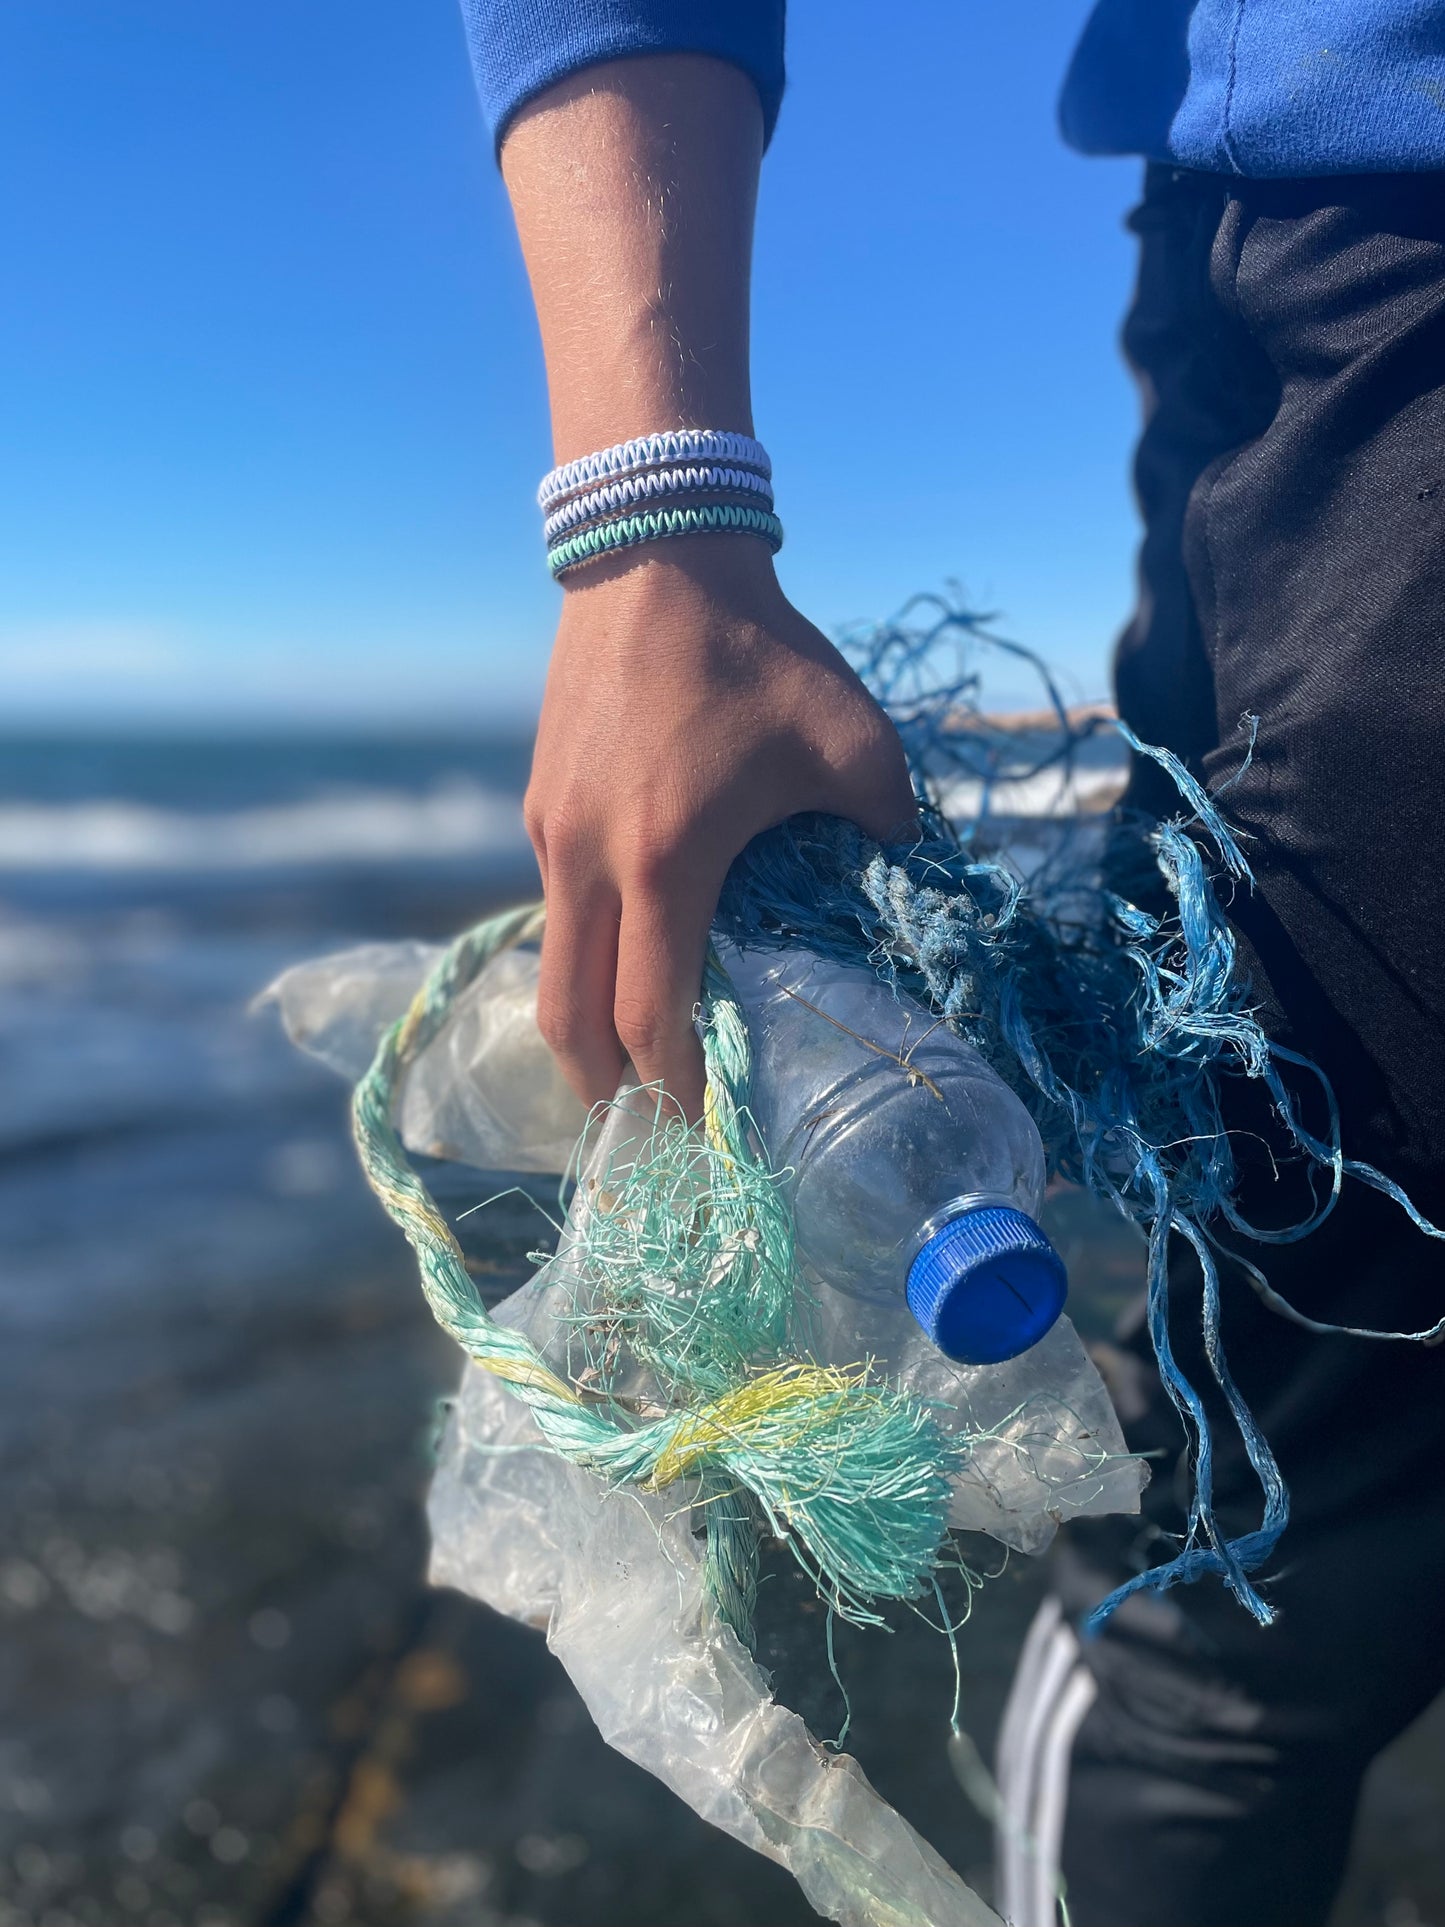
634 186
688 705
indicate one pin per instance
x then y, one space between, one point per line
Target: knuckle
558 1019
641 1026
558 824
647 872
564 839
534 819
655 857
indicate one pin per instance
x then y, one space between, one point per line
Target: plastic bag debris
616 1576
616 1579
337 1008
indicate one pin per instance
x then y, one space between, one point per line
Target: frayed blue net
1119 1026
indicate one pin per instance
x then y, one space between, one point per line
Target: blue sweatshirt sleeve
520 47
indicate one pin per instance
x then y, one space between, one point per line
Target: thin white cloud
55 656
86 670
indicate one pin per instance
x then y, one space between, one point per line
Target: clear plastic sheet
616 1579
1046 1440
337 1008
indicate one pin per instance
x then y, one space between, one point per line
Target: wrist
630 395
665 487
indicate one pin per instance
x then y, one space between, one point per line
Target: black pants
1290 341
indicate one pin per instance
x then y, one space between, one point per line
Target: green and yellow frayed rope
853 1476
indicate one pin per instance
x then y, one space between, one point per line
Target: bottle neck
955 1208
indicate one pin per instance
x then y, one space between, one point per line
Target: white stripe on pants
1051 1693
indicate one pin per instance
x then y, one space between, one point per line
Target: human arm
688 704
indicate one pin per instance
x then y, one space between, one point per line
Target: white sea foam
456 818
1049 793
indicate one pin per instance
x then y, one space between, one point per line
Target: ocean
149 887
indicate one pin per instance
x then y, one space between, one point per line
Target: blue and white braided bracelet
656 486
673 446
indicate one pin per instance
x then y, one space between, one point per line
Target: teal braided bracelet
720 518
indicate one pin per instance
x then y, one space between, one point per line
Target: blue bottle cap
987 1285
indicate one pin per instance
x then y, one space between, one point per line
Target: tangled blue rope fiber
1119 1026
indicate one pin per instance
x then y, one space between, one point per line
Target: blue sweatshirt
1258 87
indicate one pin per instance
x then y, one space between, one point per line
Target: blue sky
273 409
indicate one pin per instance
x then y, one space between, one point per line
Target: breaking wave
456 818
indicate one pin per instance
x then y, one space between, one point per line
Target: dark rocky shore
229 1699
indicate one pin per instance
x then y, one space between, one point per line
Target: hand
688 704
688 707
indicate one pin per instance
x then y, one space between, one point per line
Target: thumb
875 790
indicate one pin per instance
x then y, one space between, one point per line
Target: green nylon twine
689 1270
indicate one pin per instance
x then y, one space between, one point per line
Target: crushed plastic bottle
914 1172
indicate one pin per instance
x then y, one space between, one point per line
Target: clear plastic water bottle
915 1173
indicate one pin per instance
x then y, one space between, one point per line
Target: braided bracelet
653 451
617 498
629 530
